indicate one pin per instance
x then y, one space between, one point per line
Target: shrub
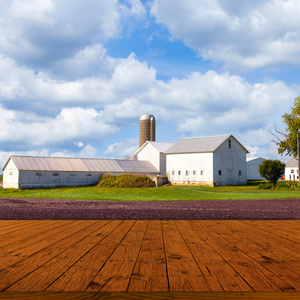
124 181
272 170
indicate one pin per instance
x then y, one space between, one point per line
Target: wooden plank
22 249
82 273
218 273
64 260
272 256
259 278
288 230
16 239
150 273
183 271
9 225
150 295
116 272
50 248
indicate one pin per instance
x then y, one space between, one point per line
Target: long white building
36 172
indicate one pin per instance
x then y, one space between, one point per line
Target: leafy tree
272 170
287 141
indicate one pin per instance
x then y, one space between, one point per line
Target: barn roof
38 163
161 147
200 144
292 163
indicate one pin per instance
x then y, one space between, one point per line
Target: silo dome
147 117
147 128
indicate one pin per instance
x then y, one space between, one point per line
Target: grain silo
147 128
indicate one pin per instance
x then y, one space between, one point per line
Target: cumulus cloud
47 31
242 34
122 149
71 124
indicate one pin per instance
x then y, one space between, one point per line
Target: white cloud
247 34
122 149
71 124
48 31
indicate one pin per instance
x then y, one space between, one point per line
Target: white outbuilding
210 161
252 168
291 170
155 153
35 172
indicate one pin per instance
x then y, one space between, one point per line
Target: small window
240 172
88 174
38 174
72 174
179 172
55 174
220 172
173 172
186 172
229 143
292 171
194 172
201 172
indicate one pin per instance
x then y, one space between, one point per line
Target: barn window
88 174
240 172
186 172
194 172
201 172
72 174
55 174
10 172
229 143
292 171
173 172
179 172
220 172
38 174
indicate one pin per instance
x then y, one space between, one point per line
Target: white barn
155 153
291 170
252 168
36 172
210 161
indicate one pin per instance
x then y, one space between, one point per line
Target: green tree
272 170
287 141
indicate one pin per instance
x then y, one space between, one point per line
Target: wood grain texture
150 257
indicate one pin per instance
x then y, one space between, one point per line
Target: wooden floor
150 256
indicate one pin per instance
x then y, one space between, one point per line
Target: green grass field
250 191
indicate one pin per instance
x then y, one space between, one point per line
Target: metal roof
66 164
161 147
254 160
200 144
292 163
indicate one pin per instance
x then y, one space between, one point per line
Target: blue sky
76 77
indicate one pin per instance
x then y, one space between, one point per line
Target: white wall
190 162
232 164
291 174
36 179
252 168
11 176
150 153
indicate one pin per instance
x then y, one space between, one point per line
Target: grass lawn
250 191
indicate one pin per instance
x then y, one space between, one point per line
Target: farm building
291 170
36 172
154 152
210 161
252 168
